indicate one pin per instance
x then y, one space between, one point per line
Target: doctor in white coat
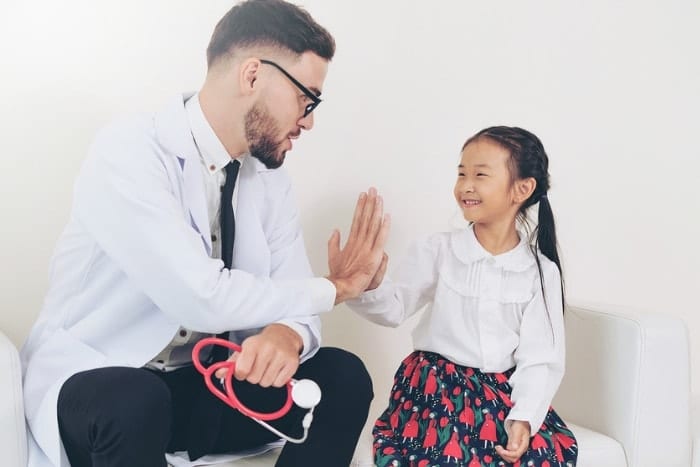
137 276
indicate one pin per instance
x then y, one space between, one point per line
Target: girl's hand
379 275
518 441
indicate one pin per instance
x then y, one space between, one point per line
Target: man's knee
129 400
345 371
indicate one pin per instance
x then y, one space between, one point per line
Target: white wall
610 87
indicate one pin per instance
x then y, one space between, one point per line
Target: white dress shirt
483 311
214 158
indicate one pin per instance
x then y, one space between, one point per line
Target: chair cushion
264 460
597 450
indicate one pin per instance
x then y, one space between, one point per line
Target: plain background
612 89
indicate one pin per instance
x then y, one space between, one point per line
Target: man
147 267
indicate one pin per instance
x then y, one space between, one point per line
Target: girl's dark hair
273 23
529 159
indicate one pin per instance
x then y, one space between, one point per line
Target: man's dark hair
272 23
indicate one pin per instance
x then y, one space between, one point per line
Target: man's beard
259 131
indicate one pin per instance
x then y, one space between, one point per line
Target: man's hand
353 268
269 359
518 441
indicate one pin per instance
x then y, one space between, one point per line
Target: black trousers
130 417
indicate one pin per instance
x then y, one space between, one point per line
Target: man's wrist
340 290
297 340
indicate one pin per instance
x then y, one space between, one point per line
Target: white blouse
483 311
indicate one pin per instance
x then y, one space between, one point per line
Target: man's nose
307 122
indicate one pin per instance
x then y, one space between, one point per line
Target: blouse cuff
535 420
370 296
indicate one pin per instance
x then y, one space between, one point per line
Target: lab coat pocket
59 356
63 354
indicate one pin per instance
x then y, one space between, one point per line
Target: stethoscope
304 393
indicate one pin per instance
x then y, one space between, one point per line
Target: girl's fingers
375 220
383 234
334 245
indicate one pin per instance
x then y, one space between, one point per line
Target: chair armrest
13 434
363 451
628 377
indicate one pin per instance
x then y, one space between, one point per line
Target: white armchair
626 394
13 434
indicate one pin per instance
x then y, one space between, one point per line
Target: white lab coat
133 264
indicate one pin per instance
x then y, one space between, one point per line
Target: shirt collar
212 151
468 250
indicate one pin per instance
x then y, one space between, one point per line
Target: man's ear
523 189
248 75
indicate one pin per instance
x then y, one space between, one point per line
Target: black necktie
228 235
207 409
227 220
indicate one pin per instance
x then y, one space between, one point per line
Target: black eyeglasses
315 100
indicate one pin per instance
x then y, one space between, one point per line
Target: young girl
489 349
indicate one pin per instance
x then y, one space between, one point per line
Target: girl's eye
481 175
460 174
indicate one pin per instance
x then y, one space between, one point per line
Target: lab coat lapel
196 200
251 252
175 135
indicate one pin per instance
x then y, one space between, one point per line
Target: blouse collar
468 250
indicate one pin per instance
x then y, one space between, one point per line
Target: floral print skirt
443 414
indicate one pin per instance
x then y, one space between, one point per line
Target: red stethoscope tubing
229 397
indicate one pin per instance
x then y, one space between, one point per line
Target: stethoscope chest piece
306 393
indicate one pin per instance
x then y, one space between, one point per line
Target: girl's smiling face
484 188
